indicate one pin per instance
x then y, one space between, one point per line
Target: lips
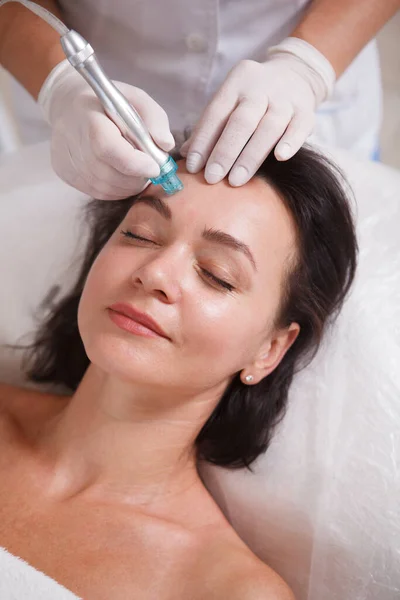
139 317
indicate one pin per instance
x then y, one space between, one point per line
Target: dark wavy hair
241 425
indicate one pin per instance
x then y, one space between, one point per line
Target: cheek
110 269
226 331
101 287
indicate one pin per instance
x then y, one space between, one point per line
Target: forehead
201 197
254 213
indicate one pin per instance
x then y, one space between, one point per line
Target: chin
116 352
127 359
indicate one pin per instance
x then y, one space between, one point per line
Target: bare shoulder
261 583
19 405
241 575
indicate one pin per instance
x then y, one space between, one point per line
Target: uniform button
196 42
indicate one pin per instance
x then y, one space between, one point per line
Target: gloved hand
87 149
258 105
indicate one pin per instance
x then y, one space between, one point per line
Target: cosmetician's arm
87 149
29 47
339 29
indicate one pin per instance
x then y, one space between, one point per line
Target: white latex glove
87 149
258 105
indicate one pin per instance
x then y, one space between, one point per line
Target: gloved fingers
104 195
106 178
270 129
141 184
183 150
77 181
109 176
298 130
103 189
100 191
83 181
152 113
240 127
208 130
108 146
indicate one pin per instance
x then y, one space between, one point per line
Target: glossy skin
214 332
110 474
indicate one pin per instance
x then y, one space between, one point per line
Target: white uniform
180 52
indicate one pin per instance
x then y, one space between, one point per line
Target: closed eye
131 235
210 276
218 281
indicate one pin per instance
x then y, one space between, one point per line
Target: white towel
20 581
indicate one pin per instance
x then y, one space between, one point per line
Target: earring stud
249 378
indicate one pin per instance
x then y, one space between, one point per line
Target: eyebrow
216 235
212 235
159 205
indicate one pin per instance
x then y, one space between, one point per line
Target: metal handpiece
82 57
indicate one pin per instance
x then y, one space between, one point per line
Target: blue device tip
167 178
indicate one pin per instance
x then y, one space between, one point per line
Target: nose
161 275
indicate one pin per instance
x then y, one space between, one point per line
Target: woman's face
208 265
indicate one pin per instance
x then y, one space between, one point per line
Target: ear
270 354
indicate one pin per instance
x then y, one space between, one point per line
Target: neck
115 442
